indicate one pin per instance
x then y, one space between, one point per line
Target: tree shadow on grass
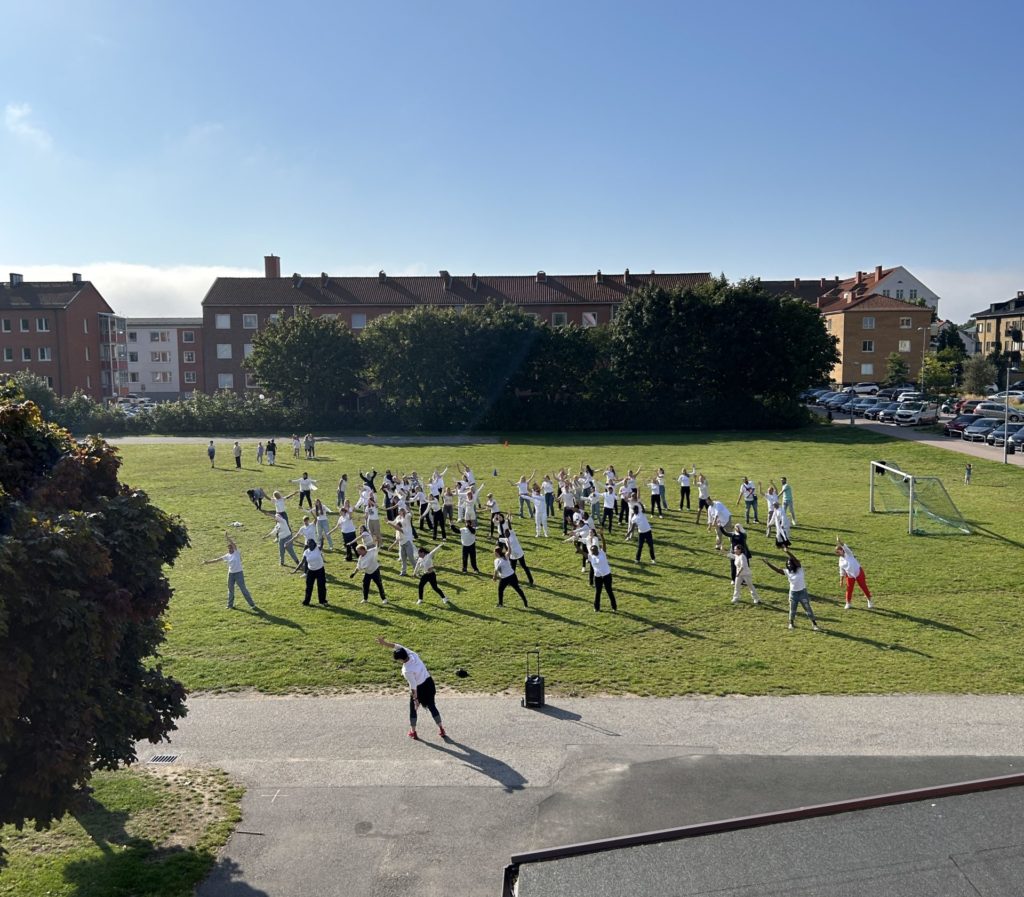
224 881
663 627
923 621
572 717
509 778
566 595
414 612
551 615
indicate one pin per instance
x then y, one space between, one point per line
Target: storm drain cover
163 758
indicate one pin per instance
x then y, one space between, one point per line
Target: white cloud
962 293
18 121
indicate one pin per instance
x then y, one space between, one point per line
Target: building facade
66 333
165 357
999 326
236 308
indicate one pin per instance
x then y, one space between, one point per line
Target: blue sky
152 145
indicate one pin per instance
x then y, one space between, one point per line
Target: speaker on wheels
534 683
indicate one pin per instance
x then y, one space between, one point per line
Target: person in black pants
424 569
370 568
316 572
421 684
368 478
467 535
602 574
505 576
608 515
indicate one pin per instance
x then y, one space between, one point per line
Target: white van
916 413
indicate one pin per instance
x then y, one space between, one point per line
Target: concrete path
341 802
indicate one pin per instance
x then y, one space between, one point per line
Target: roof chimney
796 283
271 266
542 277
382 277
599 277
324 279
473 282
837 279
625 276
447 278
860 277
76 277
878 273
296 281
822 284
652 272
16 280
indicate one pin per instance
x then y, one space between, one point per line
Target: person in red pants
853 573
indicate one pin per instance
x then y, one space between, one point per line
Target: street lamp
924 347
1006 411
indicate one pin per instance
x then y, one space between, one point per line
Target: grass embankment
947 615
146 834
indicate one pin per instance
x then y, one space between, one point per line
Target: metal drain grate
163 758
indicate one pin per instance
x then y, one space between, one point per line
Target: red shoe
441 732
413 735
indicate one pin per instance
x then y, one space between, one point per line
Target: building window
87 353
559 318
42 325
223 322
161 376
250 381
615 313
899 294
45 353
133 357
8 353
133 376
159 336
906 323
188 336
869 322
590 319
867 370
358 320
88 382
133 337
828 325
913 294
26 353
188 357
85 327
273 319
6 325
247 350
160 357
49 382
190 376
225 381
250 322
24 325
885 293
224 351
904 345
867 345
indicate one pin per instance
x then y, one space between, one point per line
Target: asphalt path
340 802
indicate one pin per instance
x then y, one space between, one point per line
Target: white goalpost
925 501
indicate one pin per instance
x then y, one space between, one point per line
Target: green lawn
947 615
141 834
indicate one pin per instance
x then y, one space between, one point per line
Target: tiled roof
29 295
870 302
999 309
410 291
808 290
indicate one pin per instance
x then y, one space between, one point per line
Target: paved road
340 802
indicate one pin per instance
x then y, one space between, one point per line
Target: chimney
271 266
1020 293
16 280
447 278
878 273
76 277
796 283
324 279
860 278
542 277
296 281
599 277
625 276
652 272
473 282
382 277
837 280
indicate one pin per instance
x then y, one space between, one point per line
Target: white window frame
6 327
159 357
246 350
85 328
188 336
161 376
867 369
133 336
274 318
133 376
23 324
358 320
225 381
87 358
913 294
188 357
906 323
899 294
190 376
222 321
224 351
904 345
556 315
589 319
250 381
45 353
867 345
133 358
250 322
868 322
26 353
42 325
8 353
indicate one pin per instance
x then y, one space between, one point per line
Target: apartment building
165 357
235 308
66 333
1000 326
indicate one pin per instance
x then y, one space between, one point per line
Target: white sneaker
444 600
790 625
735 600
847 606
365 601
419 600
870 605
757 601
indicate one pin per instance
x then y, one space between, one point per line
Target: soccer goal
924 500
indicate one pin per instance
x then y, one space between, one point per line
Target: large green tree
979 375
896 369
82 597
307 362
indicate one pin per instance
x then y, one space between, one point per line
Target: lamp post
1006 412
925 339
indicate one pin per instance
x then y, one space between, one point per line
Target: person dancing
852 573
424 569
421 684
505 575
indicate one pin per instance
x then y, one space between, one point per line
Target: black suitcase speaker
534 683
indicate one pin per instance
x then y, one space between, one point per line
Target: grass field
143 834
947 618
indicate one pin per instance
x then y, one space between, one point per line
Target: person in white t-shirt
748 495
608 507
235 576
540 511
638 520
283 533
794 572
369 566
718 519
780 520
522 486
744 577
424 569
703 495
316 572
684 489
602 576
505 575
851 573
421 685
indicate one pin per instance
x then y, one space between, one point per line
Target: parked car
865 389
1015 441
809 395
888 393
873 412
1014 395
888 413
967 406
910 396
916 413
824 397
861 406
957 425
999 434
998 409
977 431
840 398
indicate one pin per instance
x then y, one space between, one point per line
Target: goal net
924 500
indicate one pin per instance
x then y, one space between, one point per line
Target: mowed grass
947 612
143 834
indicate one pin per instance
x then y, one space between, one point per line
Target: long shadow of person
509 778
267 617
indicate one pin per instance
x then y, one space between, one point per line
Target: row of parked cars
992 430
895 405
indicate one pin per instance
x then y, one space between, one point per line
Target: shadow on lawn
267 617
881 646
992 535
465 611
664 627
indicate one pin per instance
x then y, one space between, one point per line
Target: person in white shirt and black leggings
602 576
370 567
467 536
505 576
421 685
316 572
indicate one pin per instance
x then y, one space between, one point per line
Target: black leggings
469 554
307 495
607 518
425 693
623 511
656 502
350 545
517 561
320 578
431 580
438 521
645 539
603 582
513 582
684 497
373 577
567 519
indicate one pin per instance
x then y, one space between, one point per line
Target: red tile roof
516 289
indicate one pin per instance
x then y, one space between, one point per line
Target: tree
937 375
81 615
949 339
896 369
307 362
979 374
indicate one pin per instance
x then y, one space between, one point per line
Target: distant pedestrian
421 685
236 450
259 453
684 489
306 489
211 452
798 596
271 452
235 576
296 446
967 474
342 489
851 573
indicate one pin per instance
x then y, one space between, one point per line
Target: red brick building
65 332
235 308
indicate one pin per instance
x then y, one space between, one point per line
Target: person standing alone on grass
211 452
236 450
851 572
235 576
421 684
794 572
967 474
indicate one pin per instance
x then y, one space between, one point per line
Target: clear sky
151 145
